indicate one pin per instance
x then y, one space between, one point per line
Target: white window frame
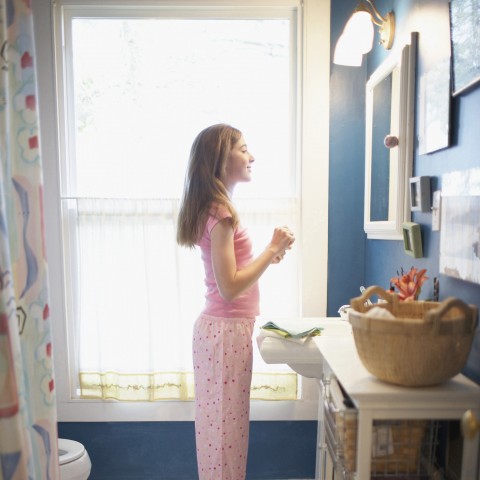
313 27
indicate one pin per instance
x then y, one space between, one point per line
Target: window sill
164 411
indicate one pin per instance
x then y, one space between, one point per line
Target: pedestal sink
303 358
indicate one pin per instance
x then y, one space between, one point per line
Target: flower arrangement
409 283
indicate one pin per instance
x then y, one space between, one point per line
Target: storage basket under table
425 344
401 449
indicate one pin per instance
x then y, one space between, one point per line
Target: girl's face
239 165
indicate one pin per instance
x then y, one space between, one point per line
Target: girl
222 338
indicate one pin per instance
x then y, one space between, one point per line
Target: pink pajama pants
222 361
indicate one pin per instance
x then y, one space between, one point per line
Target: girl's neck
230 189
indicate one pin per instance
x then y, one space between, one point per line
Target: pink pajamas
222 360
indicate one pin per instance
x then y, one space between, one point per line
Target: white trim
165 411
315 142
184 3
314 177
211 13
401 65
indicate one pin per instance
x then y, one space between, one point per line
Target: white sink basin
303 358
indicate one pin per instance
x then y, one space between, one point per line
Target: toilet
74 460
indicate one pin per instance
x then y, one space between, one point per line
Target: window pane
144 88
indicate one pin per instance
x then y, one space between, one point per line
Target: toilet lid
69 450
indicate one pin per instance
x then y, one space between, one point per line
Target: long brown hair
203 187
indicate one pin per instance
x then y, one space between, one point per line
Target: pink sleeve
217 216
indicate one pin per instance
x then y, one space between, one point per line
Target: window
135 87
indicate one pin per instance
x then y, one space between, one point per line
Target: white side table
375 399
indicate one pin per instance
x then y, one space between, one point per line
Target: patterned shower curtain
28 428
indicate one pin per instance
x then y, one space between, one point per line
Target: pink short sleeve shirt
247 304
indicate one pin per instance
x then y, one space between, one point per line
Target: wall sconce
357 36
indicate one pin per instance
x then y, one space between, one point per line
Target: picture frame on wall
460 232
434 108
420 194
412 239
464 26
435 87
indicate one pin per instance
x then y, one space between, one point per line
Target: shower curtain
28 428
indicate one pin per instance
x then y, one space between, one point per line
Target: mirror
390 99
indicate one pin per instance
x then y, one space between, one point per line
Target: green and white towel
290 331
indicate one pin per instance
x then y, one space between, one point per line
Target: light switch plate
436 210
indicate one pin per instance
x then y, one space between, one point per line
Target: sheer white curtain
139 294
138 90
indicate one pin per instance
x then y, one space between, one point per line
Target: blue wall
166 450
346 238
353 259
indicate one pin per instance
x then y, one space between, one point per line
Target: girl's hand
278 258
282 240
281 255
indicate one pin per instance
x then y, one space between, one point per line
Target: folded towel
290 332
380 312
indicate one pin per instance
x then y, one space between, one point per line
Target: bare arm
230 280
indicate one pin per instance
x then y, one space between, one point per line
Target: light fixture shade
346 53
357 36
359 29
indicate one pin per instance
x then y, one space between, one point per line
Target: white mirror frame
401 157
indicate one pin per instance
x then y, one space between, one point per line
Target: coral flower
409 284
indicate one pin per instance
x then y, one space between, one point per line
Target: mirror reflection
381 127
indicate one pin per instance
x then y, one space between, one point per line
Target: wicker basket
406 445
426 344
399 446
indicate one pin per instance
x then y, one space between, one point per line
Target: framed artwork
434 108
420 194
465 25
412 239
460 232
